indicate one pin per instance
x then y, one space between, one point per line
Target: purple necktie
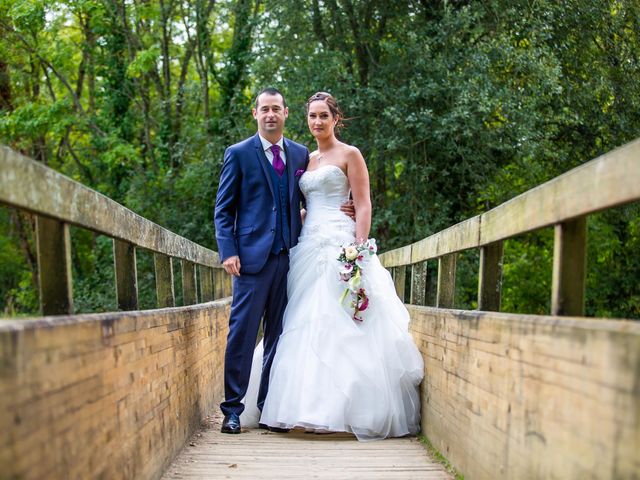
278 164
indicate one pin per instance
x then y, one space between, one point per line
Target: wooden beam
206 283
30 185
490 277
218 283
53 245
399 277
461 236
189 291
446 281
608 181
228 284
396 257
164 280
418 284
124 258
569 268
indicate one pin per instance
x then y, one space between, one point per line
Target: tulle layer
331 372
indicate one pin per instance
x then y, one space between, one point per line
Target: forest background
456 105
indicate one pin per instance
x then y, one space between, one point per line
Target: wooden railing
57 202
608 181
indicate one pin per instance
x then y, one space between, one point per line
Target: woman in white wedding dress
330 372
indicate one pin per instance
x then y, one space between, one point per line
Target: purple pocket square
299 172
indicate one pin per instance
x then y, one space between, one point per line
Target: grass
438 457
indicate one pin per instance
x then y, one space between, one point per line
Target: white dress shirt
266 146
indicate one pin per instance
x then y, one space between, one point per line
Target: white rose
351 252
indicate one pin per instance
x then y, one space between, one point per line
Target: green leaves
145 61
27 15
456 106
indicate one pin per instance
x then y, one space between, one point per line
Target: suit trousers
255 296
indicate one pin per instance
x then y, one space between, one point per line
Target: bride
332 373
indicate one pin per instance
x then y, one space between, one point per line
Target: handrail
608 181
30 185
59 201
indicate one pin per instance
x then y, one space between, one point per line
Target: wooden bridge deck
266 455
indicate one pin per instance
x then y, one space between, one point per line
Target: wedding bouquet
353 257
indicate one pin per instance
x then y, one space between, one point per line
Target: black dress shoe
231 424
264 426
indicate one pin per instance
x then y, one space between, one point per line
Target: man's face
270 115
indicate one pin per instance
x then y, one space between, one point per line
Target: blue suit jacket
245 213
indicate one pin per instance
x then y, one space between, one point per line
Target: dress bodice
325 190
326 186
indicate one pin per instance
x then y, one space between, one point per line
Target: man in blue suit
257 219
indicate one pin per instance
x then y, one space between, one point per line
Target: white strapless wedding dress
331 372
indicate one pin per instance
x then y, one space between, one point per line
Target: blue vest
281 189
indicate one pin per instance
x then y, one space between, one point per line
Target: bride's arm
359 182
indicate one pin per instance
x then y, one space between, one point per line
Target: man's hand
232 266
348 209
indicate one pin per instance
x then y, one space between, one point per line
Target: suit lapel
264 163
289 168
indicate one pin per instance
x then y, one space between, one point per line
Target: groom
257 220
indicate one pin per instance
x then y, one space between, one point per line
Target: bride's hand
348 209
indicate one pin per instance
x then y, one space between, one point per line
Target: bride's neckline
327 166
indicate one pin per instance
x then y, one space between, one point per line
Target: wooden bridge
134 394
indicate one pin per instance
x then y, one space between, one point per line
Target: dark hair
271 91
331 102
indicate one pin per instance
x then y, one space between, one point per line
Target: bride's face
320 120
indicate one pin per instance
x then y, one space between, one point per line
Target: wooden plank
164 280
569 268
53 246
610 180
490 277
218 283
418 284
260 454
509 396
397 257
206 283
446 281
399 278
32 186
605 182
124 258
228 284
461 236
189 292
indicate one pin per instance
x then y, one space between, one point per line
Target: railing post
218 291
446 281
164 280
490 277
228 284
569 267
189 292
206 283
223 283
124 259
54 266
418 284
399 276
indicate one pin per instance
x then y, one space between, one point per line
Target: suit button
273 230
273 209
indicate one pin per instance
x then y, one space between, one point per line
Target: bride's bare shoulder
352 153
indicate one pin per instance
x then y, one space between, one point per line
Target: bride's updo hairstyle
334 108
